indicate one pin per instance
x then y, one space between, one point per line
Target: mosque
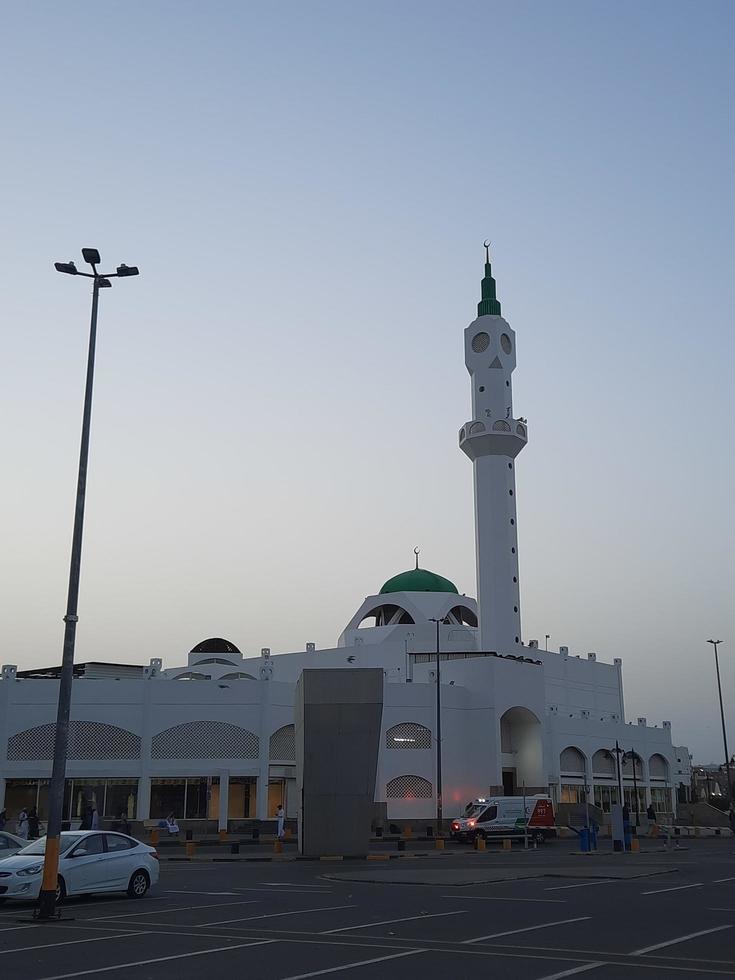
213 739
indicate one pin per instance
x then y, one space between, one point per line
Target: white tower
492 440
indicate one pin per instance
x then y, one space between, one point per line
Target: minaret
492 440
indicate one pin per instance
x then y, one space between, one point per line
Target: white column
224 798
144 798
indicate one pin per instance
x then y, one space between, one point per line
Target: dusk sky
306 188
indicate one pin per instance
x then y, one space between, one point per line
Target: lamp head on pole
91 256
68 267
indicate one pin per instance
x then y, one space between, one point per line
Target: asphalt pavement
536 915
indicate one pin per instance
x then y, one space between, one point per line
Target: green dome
418 580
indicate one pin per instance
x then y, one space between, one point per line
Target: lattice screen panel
408 788
408 735
87 740
283 744
205 740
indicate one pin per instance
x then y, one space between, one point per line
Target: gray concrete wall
338 724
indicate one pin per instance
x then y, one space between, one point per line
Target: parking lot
539 915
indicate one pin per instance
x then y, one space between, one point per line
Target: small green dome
418 580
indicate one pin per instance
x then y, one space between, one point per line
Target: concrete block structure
338 721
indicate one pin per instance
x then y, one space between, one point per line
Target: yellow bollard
635 845
277 846
480 844
154 837
507 843
191 848
439 843
222 836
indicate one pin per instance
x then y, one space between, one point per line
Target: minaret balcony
503 437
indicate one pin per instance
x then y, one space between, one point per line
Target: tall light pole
48 894
633 757
438 622
547 637
715 644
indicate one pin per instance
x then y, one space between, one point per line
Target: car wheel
60 890
139 884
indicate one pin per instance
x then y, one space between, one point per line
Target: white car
10 844
89 861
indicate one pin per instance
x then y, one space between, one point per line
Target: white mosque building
213 739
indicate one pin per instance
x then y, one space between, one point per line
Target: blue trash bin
584 839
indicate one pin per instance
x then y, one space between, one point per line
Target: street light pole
715 644
49 884
438 731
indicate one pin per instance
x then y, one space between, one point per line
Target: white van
499 816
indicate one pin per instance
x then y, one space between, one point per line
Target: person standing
94 819
280 821
33 824
732 820
3 818
22 827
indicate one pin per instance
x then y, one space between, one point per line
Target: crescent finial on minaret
417 552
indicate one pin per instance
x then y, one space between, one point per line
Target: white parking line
387 922
352 966
584 884
187 891
513 932
679 939
274 915
178 908
158 959
718 881
71 942
290 891
503 898
571 973
676 888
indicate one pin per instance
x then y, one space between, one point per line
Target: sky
306 188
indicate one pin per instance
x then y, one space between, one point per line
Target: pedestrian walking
86 823
280 821
94 820
33 824
22 825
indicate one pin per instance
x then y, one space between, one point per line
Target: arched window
571 761
603 763
501 426
408 788
87 740
205 740
658 767
388 614
238 675
462 615
193 675
283 744
216 660
408 735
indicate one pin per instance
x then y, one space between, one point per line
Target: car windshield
39 846
474 810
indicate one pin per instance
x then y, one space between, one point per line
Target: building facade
213 738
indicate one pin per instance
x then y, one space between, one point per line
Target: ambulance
499 816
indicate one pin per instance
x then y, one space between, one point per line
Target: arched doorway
522 752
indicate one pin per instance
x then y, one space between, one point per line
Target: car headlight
35 869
